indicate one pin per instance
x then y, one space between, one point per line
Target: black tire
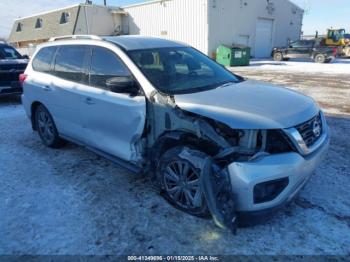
170 163
320 58
46 128
278 56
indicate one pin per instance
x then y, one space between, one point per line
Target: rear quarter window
42 61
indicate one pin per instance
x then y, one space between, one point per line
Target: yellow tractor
338 38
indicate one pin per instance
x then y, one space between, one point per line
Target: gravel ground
71 201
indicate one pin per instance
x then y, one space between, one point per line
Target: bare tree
307 7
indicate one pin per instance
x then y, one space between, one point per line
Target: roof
48 12
136 42
144 3
51 26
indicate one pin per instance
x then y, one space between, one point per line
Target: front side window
297 44
42 61
70 63
181 70
309 43
105 65
8 52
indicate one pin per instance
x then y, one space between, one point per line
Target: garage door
263 40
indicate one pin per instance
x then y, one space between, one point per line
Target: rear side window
42 61
70 62
105 65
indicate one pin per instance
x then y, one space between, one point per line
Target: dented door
113 122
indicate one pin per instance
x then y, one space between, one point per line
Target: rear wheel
278 56
320 58
180 183
46 128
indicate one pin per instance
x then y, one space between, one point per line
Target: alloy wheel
45 126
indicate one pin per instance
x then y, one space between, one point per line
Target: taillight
22 78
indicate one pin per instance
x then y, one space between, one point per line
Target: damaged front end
216 188
170 126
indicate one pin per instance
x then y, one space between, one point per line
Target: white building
204 24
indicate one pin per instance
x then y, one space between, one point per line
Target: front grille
311 130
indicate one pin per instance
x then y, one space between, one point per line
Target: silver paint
251 105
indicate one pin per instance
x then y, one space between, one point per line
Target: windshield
180 70
8 52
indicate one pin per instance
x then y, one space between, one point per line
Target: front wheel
320 58
278 56
180 183
46 128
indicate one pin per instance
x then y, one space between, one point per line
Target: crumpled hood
251 105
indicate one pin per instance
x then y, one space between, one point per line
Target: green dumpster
235 55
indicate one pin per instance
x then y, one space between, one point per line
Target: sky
320 14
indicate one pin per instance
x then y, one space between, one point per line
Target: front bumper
245 176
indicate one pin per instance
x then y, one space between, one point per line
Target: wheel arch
33 108
172 139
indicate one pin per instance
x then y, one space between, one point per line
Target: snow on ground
337 66
331 91
71 201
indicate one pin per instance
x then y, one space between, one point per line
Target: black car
12 64
305 49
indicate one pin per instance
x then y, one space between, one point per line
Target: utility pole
105 2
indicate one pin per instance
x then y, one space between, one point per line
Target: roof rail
71 37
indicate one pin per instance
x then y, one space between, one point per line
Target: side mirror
25 57
122 84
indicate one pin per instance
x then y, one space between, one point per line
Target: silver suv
215 143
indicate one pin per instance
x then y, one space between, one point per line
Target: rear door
67 89
113 122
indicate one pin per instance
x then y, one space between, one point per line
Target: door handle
89 101
47 88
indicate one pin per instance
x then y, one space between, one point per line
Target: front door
113 122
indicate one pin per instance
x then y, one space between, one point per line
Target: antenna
307 7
